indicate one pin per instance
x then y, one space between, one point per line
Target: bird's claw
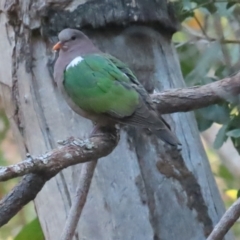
66 141
28 156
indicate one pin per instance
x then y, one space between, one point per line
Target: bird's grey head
69 38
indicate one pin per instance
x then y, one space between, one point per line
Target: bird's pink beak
57 46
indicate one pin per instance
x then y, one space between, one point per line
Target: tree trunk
142 190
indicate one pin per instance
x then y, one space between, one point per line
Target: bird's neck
81 49
65 57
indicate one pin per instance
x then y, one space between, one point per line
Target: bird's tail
167 136
163 131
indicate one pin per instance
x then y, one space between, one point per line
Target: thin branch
24 192
79 200
188 99
75 151
204 4
202 36
228 41
200 26
219 31
226 222
31 184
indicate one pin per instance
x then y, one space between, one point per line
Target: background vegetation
208 45
209 50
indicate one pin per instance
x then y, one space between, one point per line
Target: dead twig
74 151
79 200
226 222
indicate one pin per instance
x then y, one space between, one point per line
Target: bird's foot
66 141
96 131
28 156
104 131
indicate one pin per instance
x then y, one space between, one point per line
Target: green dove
103 89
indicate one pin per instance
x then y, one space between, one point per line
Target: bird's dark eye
73 37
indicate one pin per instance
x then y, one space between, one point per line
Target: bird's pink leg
96 130
100 130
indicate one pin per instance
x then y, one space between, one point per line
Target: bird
102 88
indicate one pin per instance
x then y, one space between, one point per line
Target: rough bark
182 100
73 152
142 190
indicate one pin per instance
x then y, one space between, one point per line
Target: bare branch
196 36
188 99
200 26
79 200
25 191
226 222
75 151
219 32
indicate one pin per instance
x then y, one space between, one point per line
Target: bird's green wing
96 85
132 78
123 68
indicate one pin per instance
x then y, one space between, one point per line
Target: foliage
31 230
208 46
208 49
27 213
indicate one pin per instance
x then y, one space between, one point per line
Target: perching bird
100 87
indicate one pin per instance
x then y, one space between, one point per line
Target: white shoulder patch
74 62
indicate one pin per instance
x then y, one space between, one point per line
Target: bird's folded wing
97 85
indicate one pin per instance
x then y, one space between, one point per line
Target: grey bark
142 190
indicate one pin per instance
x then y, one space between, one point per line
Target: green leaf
183 9
215 113
230 4
221 71
203 124
234 133
203 61
236 143
186 14
31 231
186 4
224 173
185 53
238 193
220 137
235 122
211 7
